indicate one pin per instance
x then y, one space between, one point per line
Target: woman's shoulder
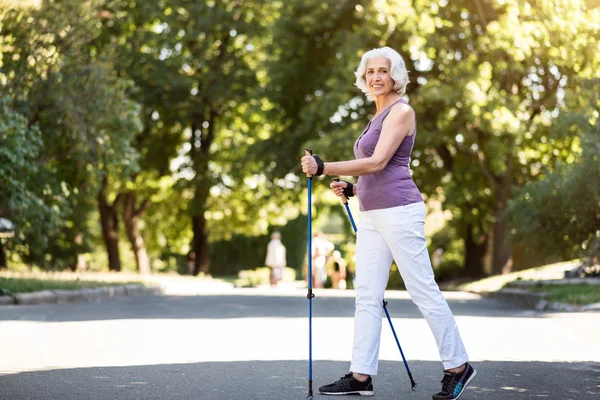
401 106
401 112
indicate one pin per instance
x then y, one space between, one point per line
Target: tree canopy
173 124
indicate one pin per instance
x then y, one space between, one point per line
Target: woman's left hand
309 165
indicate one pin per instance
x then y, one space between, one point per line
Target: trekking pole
310 294
412 381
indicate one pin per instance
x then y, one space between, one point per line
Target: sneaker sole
467 383
355 392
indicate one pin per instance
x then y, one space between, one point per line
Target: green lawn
497 282
579 294
21 285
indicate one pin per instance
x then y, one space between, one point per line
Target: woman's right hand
338 187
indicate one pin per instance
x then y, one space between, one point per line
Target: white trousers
398 233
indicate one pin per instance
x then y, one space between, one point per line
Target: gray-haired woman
391 227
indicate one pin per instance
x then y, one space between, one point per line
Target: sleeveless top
393 186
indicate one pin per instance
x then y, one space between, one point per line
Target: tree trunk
131 217
3 264
475 249
501 260
501 255
200 245
110 225
203 134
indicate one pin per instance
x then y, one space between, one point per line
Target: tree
55 80
559 214
490 134
20 201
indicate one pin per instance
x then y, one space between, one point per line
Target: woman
391 227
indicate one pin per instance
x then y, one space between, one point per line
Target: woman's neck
383 102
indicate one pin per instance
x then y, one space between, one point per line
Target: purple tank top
393 186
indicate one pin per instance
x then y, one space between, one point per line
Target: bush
452 259
261 276
395 281
559 215
228 257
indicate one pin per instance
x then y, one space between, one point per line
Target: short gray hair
398 70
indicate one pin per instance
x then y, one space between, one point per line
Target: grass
226 278
497 282
30 281
579 294
571 293
23 285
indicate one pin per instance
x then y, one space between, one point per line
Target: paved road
252 344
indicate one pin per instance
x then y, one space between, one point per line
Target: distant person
321 249
438 257
337 270
190 261
276 258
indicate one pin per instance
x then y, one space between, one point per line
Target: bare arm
397 125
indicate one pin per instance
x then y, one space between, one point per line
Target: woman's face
377 76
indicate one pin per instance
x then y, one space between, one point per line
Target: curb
80 295
556 282
517 296
536 300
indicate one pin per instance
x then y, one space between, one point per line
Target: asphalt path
253 344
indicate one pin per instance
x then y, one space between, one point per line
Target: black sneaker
349 385
453 385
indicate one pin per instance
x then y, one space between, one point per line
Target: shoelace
347 377
447 381
345 380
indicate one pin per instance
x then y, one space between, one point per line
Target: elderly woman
391 227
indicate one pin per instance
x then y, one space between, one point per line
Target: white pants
398 233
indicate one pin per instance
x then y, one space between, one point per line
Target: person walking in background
276 258
321 249
337 270
391 227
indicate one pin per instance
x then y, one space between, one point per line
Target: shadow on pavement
286 380
235 306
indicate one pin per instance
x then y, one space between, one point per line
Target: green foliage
395 280
23 285
63 87
452 257
202 108
22 195
241 252
261 277
560 213
493 133
579 294
248 252
294 236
